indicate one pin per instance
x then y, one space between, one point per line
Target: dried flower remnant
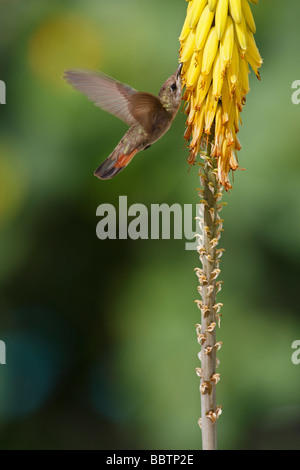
217 47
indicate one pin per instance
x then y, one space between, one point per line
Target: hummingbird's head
170 93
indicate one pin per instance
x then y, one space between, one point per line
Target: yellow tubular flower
217 47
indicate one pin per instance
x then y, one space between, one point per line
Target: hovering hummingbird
148 116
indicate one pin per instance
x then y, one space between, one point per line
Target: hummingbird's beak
178 72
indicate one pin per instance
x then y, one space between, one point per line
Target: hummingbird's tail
113 165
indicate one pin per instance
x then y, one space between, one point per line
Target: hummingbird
148 116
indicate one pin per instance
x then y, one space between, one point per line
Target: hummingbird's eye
173 87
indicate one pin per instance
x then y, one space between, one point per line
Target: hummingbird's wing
104 91
117 98
147 110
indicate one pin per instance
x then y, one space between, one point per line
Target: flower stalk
210 225
217 47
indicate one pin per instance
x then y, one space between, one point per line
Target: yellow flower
217 47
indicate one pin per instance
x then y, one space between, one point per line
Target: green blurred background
100 337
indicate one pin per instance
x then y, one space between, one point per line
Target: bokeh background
100 337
